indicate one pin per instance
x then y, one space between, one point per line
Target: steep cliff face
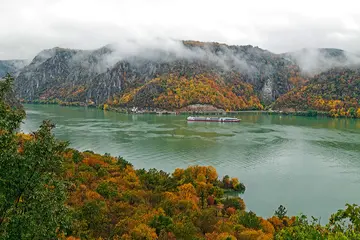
59 73
99 75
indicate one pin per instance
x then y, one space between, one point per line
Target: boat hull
211 119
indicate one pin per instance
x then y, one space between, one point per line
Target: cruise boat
212 119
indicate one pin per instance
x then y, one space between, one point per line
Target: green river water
310 165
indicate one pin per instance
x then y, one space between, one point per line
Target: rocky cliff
113 72
77 75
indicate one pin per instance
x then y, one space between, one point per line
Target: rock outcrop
98 76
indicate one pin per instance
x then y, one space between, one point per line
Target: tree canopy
49 191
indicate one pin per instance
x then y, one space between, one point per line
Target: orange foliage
205 174
211 236
335 92
203 90
230 211
267 227
170 196
127 214
219 236
93 195
22 138
234 182
180 91
251 234
187 191
128 97
93 161
296 80
279 224
210 200
178 173
72 238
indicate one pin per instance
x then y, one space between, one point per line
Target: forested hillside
176 92
336 91
177 74
95 77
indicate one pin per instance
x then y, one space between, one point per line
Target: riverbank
132 110
135 110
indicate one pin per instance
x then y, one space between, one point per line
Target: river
309 165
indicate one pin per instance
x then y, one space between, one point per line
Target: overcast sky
28 26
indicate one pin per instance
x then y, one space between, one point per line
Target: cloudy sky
28 26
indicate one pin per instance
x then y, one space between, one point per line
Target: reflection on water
310 165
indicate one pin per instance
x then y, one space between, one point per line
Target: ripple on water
277 158
348 146
261 130
85 120
188 133
169 126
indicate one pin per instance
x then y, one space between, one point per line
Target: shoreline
308 113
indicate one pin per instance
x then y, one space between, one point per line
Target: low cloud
31 26
312 61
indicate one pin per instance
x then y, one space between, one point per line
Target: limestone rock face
97 75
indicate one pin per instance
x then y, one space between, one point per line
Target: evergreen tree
281 212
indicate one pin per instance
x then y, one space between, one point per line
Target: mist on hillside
247 60
314 61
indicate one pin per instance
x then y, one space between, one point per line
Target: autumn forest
50 191
223 77
333 93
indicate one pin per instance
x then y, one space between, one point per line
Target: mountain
336 91
173 75
59 73
107 74
11 66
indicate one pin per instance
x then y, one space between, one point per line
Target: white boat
212 119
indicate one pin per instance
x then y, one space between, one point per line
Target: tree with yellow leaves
143 232
187 191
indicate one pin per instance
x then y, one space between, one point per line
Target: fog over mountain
99 51
274 25
11 66
109 71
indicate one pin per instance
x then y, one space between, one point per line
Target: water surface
310 165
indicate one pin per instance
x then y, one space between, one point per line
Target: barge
212 119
